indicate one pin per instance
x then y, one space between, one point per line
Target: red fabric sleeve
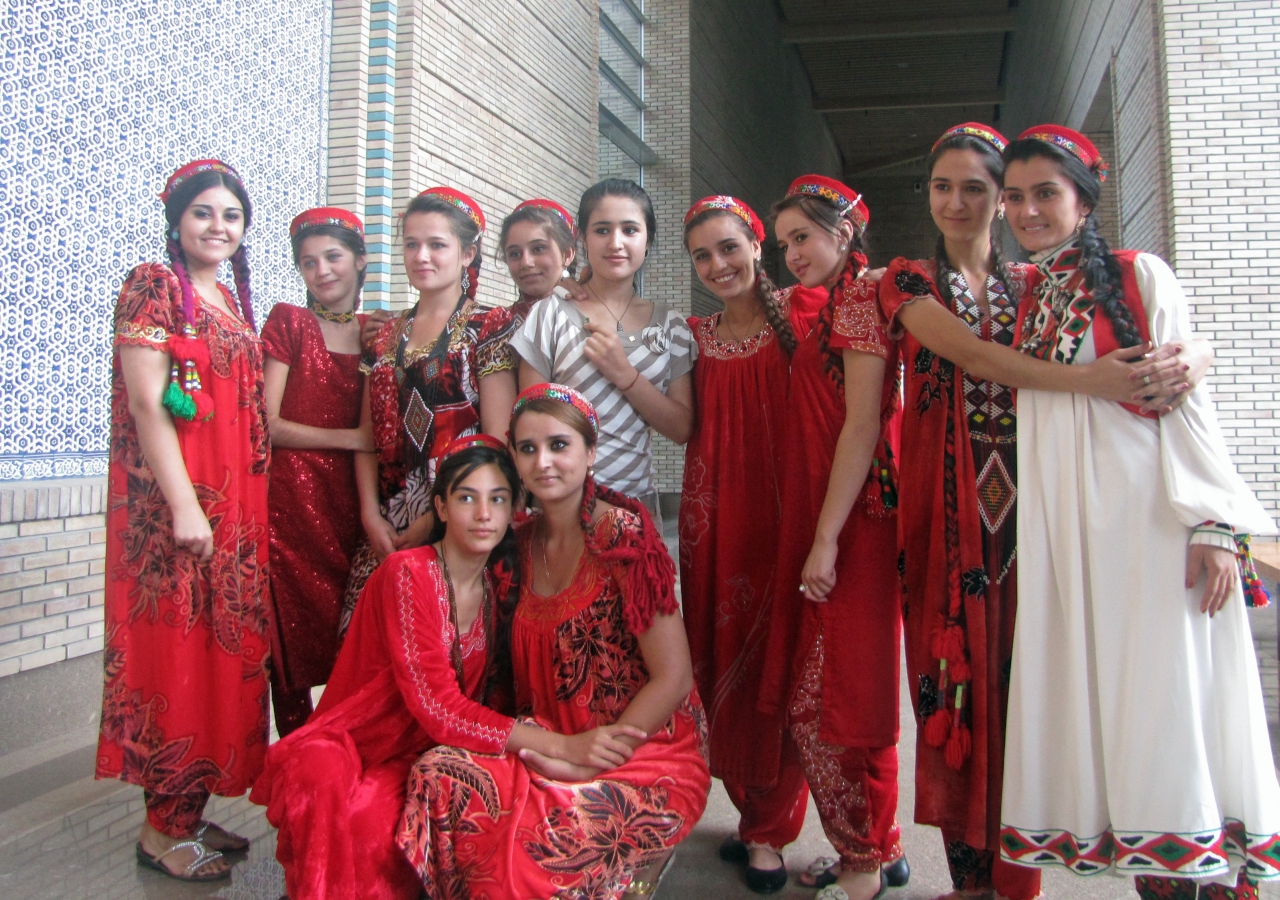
282 335
904 281
857 323
493 348
415 609
641 566
148 307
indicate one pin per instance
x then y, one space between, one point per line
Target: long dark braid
240 272
1101 270
773 312
178 263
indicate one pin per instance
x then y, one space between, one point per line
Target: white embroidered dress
1137 740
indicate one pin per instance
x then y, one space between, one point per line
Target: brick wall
1140 156
52 543
1222 62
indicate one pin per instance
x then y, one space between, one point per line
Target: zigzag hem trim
1199 855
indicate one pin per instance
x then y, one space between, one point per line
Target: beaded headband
460 200
457 445
562 393
544 203
978 130
195 168
325 215
1071 141
846 199
731 204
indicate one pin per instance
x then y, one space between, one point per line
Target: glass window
621 83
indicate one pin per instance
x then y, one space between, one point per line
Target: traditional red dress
184 710
482 825
730 508
833 667
422 400
956 516
335 787
315 510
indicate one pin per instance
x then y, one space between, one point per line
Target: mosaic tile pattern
102 99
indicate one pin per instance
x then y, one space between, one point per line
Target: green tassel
179 402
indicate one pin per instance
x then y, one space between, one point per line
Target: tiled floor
76 842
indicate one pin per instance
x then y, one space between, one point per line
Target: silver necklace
608 309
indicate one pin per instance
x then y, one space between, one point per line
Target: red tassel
936 645
959 671
935 730
204 406
960 742
953 644
188 348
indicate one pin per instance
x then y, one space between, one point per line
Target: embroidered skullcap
846 199
457 445
1071 141
460 200
561 392
544 203
733 205
978 130
325 215
195 167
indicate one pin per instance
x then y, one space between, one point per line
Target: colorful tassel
177 401
960 742
1255 592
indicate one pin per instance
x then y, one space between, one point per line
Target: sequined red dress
335 787
315 511
833 666
483 826
184 711
730 508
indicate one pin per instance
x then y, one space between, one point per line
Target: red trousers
854 788
337 822
773 816
976 869
175 815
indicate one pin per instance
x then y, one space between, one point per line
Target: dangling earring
174 234
1079 226
1000 214
466 281
565 275
591 471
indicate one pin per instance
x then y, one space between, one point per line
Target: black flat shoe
767 881
734 850
897 873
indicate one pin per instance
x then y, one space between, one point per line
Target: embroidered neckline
1060 263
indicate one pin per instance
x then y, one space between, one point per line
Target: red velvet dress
730 508
335 787
482 825
844 652
184 709
958 535
315 510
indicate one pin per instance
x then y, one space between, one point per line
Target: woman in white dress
1137 740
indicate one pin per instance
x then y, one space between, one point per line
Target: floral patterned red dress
184 710
315 512
484 826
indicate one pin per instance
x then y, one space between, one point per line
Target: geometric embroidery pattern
417 420
996 493
102 102
1147 853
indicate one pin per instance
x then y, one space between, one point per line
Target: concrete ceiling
892 76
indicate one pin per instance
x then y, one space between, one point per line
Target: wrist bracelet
633 382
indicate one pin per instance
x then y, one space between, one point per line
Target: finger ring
803 589
1146 379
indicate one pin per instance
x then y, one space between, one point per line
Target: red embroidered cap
544 203
733 205
978 130
846 199
561 392
195 167
457 445
325 215
1073 142
460 200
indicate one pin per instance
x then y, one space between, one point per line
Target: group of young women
514 705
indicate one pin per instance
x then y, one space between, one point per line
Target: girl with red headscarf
313 390
184 709
730 509
832 658
441 370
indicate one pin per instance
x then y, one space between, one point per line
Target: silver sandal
204 856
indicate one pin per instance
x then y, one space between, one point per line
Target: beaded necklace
341 318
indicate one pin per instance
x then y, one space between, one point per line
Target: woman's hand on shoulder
382 536
372 325
1165 377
